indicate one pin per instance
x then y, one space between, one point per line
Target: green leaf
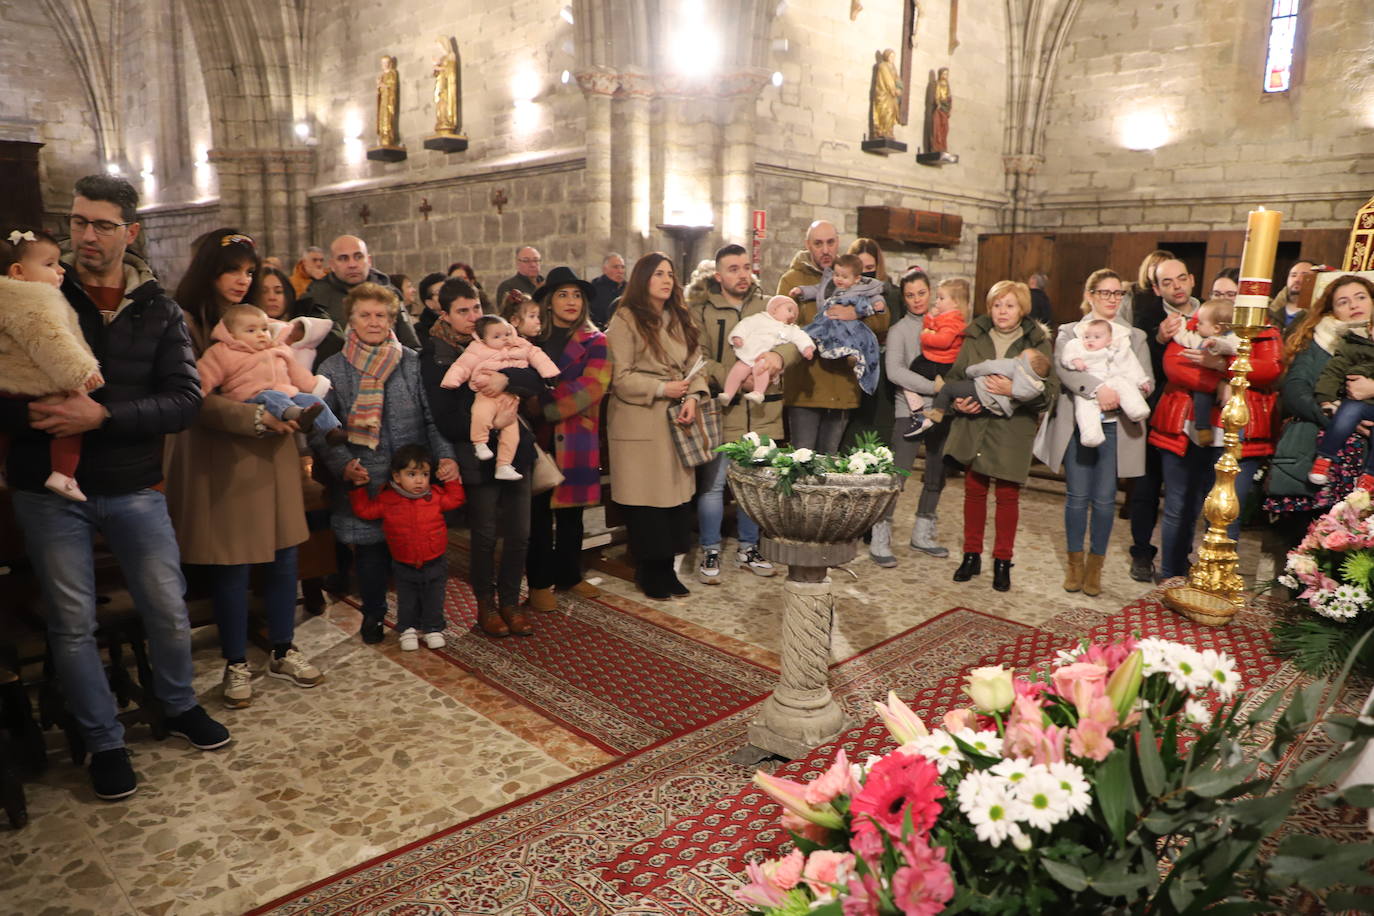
1265 711
833 908
1067 874
1151 768
1117 882
1266 812
1337 901
1359 796
1115 792
1218 783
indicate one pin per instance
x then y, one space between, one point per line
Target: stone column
276 235
598 86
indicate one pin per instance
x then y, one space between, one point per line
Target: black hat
564 276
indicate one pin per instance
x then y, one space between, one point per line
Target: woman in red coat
1188 467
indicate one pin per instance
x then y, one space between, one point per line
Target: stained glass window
1283 31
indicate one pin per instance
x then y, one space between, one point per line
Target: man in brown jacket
718 303
820 393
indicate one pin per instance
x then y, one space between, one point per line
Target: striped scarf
375 365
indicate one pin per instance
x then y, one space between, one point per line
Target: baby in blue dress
848 338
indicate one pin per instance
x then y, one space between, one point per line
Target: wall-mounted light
112 168
695 45
566 14
1144 130
302 129
353 125
777 77
524 86
566 77
780 45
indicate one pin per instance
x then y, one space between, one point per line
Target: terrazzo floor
395 746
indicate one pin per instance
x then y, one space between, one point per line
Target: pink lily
792 796
904 724
838 780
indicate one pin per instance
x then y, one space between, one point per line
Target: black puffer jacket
151 389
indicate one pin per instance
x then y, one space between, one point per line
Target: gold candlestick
1213 593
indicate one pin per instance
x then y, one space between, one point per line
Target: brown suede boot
1092 575
542 600
1073 577
489 618
516 620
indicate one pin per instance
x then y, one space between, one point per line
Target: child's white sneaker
754 396
410 640
508 472
66 486
434 641
725 399
483 451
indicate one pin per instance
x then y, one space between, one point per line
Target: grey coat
903 346
405 419
1052 441
1025 386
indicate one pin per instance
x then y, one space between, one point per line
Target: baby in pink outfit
496 346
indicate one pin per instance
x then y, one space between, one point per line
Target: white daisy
1186 671
1013 769
977 784
991 816
987 742
937 747
1072 781
1042 801
1221 672
1155 653
1196 711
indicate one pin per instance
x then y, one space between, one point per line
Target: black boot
972 566
649 577
671 581
1001 575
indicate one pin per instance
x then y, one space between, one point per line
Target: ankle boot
1092 575
1073 577
923 537
880 547
670 580
489 618
516 620
543 600
1001 575
649 577
972 566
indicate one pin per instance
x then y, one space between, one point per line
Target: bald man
527 277
349 264
820 393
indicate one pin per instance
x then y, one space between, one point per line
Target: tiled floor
395 746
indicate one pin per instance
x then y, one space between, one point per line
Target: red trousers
976 514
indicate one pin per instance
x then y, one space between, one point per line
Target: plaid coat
569 425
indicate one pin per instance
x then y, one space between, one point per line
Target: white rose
1358 500
855 465
1302 564
762 452
883 452
990 688
803 455
752 438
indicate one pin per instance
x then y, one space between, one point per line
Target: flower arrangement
1115 782
1332 569
868 455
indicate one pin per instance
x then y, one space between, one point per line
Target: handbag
545 474
695 443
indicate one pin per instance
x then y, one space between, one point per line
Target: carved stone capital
633 83
1022 164
598 81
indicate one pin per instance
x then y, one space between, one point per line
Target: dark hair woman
567 424
465 272
1345 307
234 484
653 344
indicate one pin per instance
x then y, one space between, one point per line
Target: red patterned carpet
619 681
549 854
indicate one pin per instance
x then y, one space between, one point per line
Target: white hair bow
16 237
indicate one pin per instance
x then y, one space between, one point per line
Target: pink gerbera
898 785
924 883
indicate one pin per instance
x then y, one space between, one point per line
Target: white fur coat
42 350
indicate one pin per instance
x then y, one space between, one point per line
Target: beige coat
42 350
645 470
234 497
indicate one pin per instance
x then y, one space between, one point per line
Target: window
1283 30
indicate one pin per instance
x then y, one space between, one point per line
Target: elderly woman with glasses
1091 472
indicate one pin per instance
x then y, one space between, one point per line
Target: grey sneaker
709 570
294 667
238 686
749 557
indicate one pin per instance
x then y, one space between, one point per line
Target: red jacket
942 335
414 528
1175 405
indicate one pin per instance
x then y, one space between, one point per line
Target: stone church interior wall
1185 79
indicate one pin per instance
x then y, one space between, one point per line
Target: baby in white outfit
755 336
1099 350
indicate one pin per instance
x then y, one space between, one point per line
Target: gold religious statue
446 116
886 97
939 120
1359 253
388 96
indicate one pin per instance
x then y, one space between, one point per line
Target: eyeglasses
103 227
1110 293
1218 294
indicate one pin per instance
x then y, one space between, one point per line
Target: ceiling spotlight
566 14
302 130
777 77
567 75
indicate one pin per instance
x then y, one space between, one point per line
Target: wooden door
1003 256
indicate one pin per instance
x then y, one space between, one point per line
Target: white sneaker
709 570
296 668
483 451
434 641
238 686
725 399
750 558
755 397
508 472
66 486
410 640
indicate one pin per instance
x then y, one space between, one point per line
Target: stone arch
90 35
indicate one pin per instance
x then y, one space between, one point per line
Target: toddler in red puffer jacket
412 513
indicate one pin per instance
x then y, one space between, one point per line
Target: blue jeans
230 598
277 404
711 507
1090 474
1187 478
59 534
1350 414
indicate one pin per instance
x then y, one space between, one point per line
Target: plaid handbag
696 442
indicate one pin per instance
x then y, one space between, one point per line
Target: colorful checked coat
569 424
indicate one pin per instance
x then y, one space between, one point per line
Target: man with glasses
151 390
1174 285
527 277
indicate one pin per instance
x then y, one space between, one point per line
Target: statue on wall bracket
448 119
388 149
937 126
884 107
